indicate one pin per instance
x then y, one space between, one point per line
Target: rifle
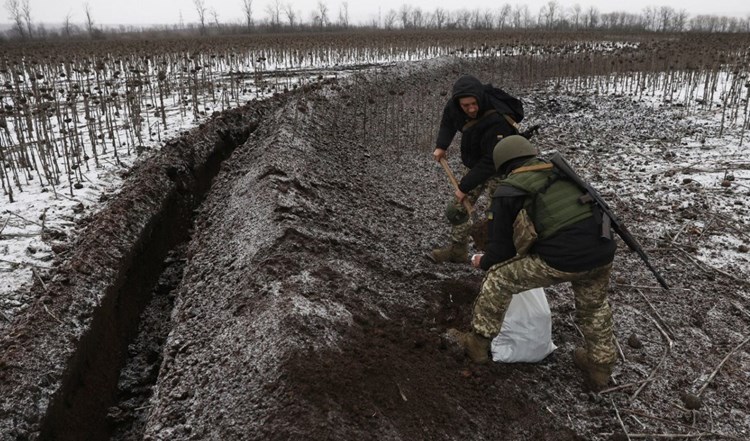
609 220
531 131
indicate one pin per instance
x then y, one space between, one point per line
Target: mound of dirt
308 310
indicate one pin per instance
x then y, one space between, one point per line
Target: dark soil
306 308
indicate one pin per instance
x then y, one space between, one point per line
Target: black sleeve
500 235
478 174
448 128
485 168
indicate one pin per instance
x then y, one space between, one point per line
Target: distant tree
592 17
404 14
488 19
575 16
291 16
417 18
504 16
440 17
16 16
706 23
89 19
680 20
390 19
521 16
481 19
344 15
273 10
462 18
200 8
67 26
247 8
633 21
526 19
323 13
26 9
649 18
516 17
548 14
43 33
666 16
215 16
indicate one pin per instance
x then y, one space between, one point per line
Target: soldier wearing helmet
540 234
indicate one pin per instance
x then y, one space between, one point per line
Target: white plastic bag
526 335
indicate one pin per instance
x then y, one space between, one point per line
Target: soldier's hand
439 154
531 131
460 195
476 260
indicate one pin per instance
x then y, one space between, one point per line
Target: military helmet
511 147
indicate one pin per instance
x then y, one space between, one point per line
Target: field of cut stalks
67 109
75 117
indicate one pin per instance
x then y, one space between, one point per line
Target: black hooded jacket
479 135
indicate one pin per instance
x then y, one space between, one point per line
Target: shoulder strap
475 121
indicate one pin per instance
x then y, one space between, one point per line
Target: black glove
531 131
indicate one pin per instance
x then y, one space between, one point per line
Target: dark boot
456 252
597 375
476 346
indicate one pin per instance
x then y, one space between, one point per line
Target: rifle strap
530 168
507 117
475 121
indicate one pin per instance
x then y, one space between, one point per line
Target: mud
306 309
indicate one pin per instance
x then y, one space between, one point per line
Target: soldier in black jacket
484 115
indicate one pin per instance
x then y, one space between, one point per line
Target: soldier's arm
500 238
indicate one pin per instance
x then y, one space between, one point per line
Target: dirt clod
635 342
691 401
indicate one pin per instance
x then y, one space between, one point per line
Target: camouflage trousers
593 314
460 232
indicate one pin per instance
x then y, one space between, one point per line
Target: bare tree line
278 16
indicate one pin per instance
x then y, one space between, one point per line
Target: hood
468 85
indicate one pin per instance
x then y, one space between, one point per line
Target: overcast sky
107 12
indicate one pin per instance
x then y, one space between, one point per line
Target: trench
86 405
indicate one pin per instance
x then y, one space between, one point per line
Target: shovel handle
452 178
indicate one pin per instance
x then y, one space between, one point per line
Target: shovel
478 229
452 178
